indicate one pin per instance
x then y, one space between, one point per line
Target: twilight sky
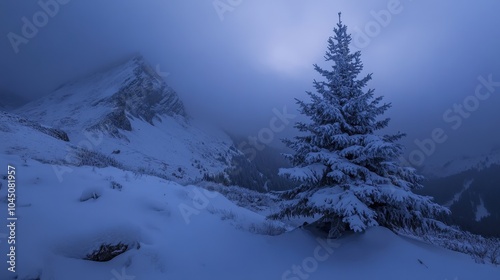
236 60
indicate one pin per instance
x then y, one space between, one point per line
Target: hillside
129 113
162 230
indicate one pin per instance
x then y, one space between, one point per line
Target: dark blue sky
236 60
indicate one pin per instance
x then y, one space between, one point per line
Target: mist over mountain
10 101
233 139
233 70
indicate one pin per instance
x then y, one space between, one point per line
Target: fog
235 61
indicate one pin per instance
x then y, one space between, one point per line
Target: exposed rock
107 252
112 123
53 132
144 95
107 101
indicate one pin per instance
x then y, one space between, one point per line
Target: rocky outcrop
9 119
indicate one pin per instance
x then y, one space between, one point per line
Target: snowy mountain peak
108 100
130 115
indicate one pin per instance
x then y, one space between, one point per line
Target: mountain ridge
130 114
463 163
104 100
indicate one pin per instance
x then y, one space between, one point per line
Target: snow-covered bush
227 215
116 186
149 171
243 197
494 253
220 178
95 158
267 228
224 214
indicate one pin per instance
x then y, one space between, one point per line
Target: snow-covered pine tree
350 177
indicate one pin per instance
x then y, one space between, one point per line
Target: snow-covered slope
29 139
465 163
185 232
129 113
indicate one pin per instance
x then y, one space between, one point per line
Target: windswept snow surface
186 232
20 137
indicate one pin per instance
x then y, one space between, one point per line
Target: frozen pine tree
350 177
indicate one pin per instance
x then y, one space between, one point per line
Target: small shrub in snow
243 197
179 173
219 178
139 172
224 214
267 228
96 159
227 214
494 254
116 186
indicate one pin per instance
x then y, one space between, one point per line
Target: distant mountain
108 101
129 114
470 187
463 164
